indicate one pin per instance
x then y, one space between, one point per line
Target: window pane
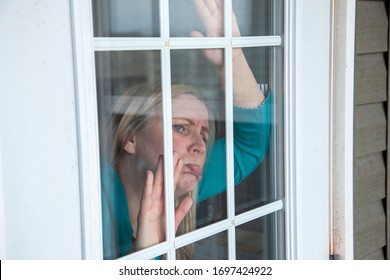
131 133
126 18
193 74
255 177
185 16
131 126
260 239
212 248
259 17
191 67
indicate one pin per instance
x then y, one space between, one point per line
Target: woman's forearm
246 91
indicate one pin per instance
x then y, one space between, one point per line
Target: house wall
370 130
39 180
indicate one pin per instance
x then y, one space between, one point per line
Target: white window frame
301 183
342 86
308 192
2 213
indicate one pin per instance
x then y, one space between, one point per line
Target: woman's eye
179 128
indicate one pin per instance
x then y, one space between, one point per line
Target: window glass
195 74
184 18
212 248
255 184
259 17
126 18
129 81
260 239
131 133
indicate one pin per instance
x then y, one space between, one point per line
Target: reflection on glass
212 248
196 18
194 68
259 239
259 17
126 18
255 186
197 110
131 132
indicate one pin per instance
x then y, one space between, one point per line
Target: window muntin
169 54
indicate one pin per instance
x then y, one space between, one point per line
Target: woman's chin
186 184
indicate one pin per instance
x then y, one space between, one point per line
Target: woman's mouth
193 169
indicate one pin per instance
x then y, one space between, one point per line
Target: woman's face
190 131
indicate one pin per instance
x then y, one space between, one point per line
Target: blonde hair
131 112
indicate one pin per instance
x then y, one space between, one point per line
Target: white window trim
307 70
2 213
85 88
229 134
292 86
343 68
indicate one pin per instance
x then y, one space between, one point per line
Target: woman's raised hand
151 218
246 92
212 16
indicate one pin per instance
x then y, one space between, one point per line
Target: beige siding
370 229
371 130
377 255
371 79
371 24
370 179
387 199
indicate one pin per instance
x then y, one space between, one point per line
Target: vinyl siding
370 132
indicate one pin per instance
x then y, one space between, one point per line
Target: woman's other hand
151 218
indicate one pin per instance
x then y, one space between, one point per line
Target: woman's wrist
238 55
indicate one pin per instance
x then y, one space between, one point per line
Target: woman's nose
198 146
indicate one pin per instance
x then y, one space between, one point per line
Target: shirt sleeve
251 128
117 230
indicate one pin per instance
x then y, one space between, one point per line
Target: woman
132 183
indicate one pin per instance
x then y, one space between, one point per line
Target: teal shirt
251 141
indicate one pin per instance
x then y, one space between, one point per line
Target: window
149 43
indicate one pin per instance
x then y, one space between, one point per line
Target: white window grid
86 45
